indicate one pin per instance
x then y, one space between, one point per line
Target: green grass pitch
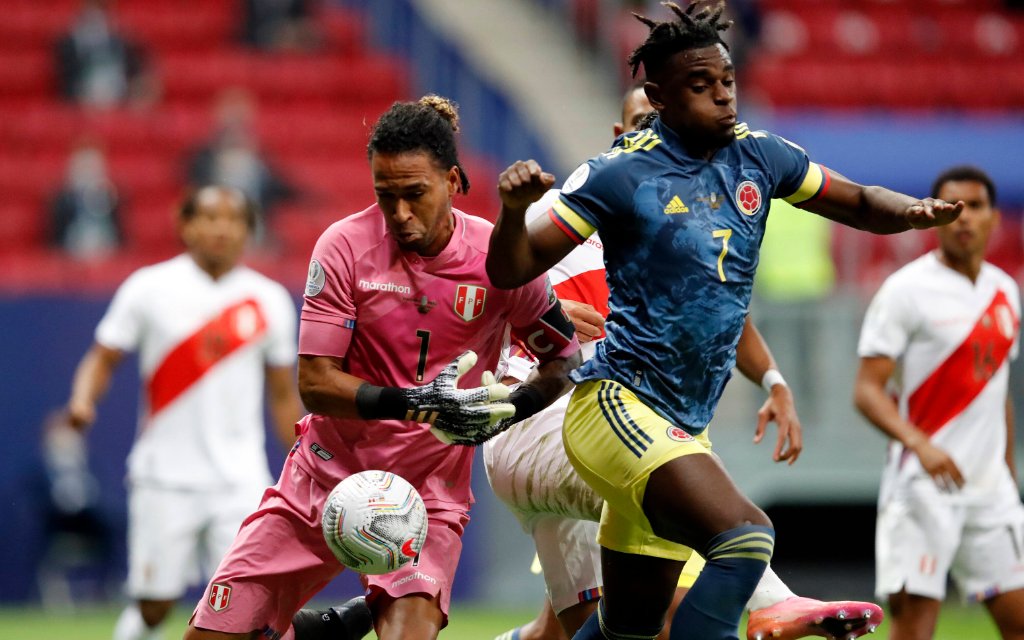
467 623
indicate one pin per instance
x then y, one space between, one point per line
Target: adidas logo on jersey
676 205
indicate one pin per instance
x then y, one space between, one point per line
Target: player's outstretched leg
803 617
349 621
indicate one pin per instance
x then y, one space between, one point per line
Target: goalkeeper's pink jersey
397 319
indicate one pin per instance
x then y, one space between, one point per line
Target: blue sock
597 628
713 607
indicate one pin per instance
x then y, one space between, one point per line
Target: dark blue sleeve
597 191
786 162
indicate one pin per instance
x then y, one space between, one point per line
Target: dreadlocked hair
695 27
427 125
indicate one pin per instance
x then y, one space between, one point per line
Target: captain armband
549 334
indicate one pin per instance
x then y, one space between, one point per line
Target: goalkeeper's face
415 195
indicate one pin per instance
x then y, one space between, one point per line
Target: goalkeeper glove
440 399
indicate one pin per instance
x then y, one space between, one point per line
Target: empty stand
925 55
314 110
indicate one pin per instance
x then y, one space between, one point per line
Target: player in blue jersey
681 209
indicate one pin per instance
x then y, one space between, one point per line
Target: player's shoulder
261 281
619 169
911 277
762 141
476 231
357 233
171 268
368 221
1004 280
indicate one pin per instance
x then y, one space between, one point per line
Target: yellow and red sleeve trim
816 182
570 222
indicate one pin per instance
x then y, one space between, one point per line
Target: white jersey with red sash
203 345
953 340
579 276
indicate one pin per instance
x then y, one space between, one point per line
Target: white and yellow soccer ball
374 522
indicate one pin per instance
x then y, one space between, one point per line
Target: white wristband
771 378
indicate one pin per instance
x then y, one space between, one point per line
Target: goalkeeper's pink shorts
279 560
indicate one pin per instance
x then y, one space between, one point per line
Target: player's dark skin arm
551 379
753 359
326 389
873 400
517 256
879 210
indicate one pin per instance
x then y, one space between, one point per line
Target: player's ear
184 230
653 91
454 181
618 129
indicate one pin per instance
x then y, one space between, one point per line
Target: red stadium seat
23 222
27 74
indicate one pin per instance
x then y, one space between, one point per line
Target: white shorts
529 471
924 535
177 536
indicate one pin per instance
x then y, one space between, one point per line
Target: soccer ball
374 522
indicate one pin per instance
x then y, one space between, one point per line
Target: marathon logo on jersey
315 279
679 435
469 301
748 197
322 453
418 575
386 287
220 597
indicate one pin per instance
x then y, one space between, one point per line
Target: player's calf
736 559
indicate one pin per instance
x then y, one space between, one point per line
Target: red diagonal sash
963 375
235 327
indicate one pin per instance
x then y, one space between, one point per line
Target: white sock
769 591
131 626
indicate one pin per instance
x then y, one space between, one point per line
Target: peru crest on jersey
469 301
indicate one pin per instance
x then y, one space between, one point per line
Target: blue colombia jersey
681 239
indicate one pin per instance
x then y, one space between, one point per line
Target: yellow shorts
691 570
615 442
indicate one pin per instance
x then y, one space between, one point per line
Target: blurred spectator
78 542
84 214
232 157
280 25
98 67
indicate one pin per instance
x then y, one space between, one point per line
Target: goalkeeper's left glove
526 400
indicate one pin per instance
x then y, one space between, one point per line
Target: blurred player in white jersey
210 334
944 328
528 469
395 296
